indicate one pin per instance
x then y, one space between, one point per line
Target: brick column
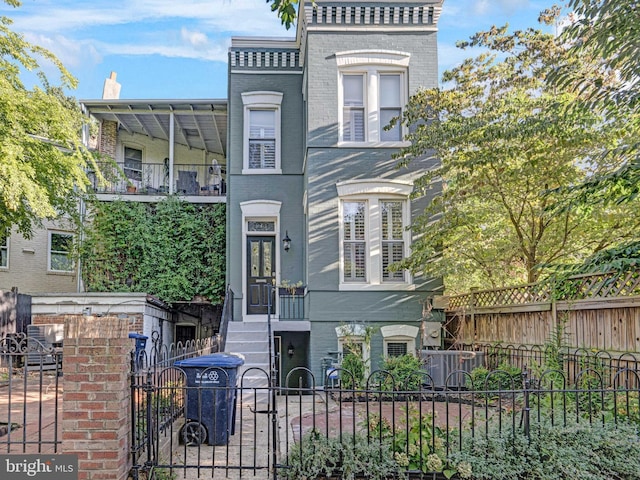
95 415
108 138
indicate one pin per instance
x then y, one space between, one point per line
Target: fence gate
203 423
30 395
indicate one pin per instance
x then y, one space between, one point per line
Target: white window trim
261 101
355 334
49 245
372 192
372 63
7 247
400 334
263 211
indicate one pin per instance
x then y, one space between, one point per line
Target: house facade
317 211
315 198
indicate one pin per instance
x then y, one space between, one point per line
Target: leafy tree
503 136
286 10
608 31
42 159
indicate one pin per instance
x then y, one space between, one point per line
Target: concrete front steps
251 340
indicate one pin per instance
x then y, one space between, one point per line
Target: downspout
171 151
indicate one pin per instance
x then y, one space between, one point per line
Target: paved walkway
33 409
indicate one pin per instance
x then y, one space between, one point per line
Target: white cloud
197 39
77 31
69 51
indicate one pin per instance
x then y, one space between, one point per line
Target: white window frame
372 64
50 251
270 101
354 334
5 248
372 192
399 334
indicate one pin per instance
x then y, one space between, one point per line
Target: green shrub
317 455
505 377
406 373
582 451
353 371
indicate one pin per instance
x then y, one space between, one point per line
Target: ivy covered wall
172 249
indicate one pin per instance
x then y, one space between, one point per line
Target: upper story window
60 246
262 137
4 249
372 91
133 163
373 235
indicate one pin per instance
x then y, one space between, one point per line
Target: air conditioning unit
41 339
442 365
432 334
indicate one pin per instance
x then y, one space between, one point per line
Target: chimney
111 90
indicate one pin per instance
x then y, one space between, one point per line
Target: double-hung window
372 91
353 108
133 163
392 238
354 241
390 106
373 234
262 137
4 249
60 245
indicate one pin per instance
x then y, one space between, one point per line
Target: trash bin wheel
193 433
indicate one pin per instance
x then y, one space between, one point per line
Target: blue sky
178 48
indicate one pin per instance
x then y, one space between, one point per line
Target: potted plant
286 287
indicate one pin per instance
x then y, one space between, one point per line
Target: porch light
286 241
290 350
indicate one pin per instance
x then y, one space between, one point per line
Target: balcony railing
291 304
153 179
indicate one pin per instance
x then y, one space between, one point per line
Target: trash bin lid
225 360
137 335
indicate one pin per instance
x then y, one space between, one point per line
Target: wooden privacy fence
599 311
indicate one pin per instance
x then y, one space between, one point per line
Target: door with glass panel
260 274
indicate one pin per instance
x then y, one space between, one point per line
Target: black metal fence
384 430
30 395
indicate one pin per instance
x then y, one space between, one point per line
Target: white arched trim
372 57
374 186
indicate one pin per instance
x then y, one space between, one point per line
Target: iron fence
30 395
570 360
385 427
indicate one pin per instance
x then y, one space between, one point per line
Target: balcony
153 179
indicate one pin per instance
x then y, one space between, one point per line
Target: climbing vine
172 249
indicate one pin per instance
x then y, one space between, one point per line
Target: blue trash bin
141 344
210 398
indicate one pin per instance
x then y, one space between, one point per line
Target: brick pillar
96 409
